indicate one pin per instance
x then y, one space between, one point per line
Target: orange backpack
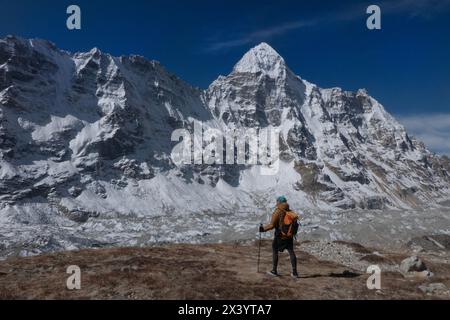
289 225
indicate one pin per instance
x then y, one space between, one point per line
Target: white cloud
432 129
259 35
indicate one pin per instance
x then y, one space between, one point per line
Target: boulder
422 274
412 264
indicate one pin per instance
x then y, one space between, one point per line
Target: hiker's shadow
345 274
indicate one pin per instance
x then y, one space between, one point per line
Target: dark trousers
280 246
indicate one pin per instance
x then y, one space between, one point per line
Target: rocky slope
334 270
85 149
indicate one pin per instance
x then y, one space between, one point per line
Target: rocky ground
328 270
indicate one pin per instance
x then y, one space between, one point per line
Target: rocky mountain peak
262 58
95 52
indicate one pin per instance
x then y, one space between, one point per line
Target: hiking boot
295 275
273 273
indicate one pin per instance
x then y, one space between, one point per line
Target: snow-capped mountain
85 140
345 148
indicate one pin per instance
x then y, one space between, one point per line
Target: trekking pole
259 250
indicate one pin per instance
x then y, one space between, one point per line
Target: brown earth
216 271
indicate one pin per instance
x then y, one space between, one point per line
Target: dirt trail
225 271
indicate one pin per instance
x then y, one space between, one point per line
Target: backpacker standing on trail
285 223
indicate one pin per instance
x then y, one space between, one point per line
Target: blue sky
406 65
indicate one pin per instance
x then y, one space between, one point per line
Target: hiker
285 223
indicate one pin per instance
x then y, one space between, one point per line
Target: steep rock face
257 91
348 150
80 113
89 132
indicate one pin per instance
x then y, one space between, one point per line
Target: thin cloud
433 130
413 8
260 34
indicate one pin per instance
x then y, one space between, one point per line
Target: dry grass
194 272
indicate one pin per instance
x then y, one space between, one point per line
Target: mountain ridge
86 137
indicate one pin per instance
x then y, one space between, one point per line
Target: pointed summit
262 58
